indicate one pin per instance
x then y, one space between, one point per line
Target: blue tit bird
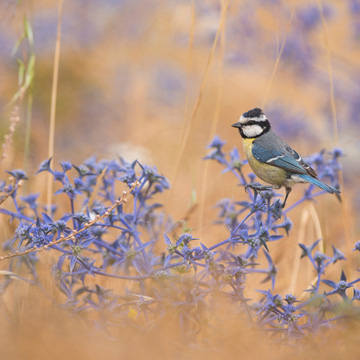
271 159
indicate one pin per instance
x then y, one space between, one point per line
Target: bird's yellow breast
268 173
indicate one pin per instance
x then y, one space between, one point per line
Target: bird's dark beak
236 125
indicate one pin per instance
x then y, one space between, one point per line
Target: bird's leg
288 191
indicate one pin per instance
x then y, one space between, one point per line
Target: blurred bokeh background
154 80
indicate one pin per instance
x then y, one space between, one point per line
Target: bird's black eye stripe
253 122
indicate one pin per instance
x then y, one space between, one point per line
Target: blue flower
357 246
337 153
129 176
31 200
81 217
235 160
216 143
286 225
58 175
320 258
66 165
271 302
83 170
356 295
341 286
290 299
18 174
61 226
69 190
22 232
338 255
40 235
187 253
151 174
45 166
184 239
216 153
259 205
79 183
309 16
354 6
307 250
91 163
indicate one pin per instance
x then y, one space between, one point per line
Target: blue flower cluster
124 244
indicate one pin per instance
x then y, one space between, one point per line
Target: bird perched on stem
271 159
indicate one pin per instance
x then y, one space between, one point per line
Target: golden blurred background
155 80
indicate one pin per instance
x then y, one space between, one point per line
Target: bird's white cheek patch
252 130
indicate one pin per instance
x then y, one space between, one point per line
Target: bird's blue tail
330 189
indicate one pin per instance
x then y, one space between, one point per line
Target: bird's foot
258 187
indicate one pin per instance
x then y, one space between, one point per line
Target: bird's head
252 124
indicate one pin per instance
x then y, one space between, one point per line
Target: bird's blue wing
287 159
